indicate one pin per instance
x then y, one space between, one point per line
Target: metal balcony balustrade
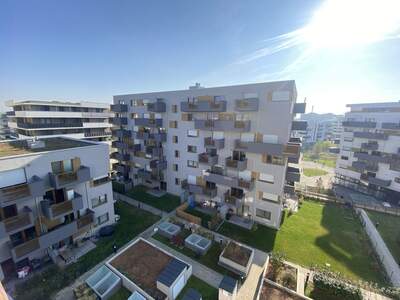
210 142
248 104
234 163
208 158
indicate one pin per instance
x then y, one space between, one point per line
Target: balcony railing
222 125
119 121
86 220
19 222
62 180
292 174
240 165
207 158
233 199
158 106
48 125
299 125
148 122
120 168
199 189
249 104
210 142
203 106
370 146
359 124
119 108
60 209
370 135
220 177
18 252
121 133
259 147
33 188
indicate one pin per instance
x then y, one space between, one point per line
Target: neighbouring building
369 159
5 132
81 120
53 192
225 147
321 127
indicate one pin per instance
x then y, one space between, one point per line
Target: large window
265 214
193 133
192 164
102 199
191 149
102 219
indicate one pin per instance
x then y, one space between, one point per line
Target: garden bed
285 276
271 292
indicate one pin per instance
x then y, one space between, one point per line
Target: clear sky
338 51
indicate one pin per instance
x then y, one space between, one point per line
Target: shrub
277 263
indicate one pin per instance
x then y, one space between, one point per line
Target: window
177 153
192 164
102 219
192 133
64 166
266 178
135 115
173 124
175 139
397 179
102 199
265 214
174 108
268 197
191 149
187 117
177 181
175 167
344 157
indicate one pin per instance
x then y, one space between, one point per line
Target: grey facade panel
222 125
158 106
147 122
203 106
299 108
260 148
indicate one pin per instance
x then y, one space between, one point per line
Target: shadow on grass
348 244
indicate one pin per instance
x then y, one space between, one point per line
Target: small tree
277 260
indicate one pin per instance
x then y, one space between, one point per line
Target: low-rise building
53 192
81 120
369 159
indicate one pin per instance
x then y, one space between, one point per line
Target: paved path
311 181
204 273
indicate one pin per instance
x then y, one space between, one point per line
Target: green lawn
207 291
326 159
389 230
210 259
311 172
167 203
317 234
121 294
133 221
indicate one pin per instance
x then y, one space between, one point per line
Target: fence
141 205
180 212
389 263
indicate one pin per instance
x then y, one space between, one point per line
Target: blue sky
93 49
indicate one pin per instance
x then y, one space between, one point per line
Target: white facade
369 158
257 116
51 195
321 127
81 120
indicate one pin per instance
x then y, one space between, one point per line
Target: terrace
236 258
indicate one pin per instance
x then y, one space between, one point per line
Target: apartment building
369 159
81 120
53 192
321 127
225 147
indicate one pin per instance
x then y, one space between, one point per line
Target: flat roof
142 263
20 147
171 272
87 104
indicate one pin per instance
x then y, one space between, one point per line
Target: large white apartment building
226 147
53 192
321 127
81 120
369 159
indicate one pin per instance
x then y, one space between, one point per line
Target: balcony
119 108
299 108
372 158
219 177
206 158
58 210
120 168
147 175
209 142
249 104
58 234
86 219
375 181
158 137
154 151
299 125
359 124
22 221
33 188
370 135
239 165
259 147
158 106
370 146
222 125
232 198
147 122
292 174
199 189
203 106
158 164
126 146
59 181
289 189
392 126
21 251
122 133
361 166
119 121
49 125
120 156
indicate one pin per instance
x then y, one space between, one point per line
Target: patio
72 253
242 222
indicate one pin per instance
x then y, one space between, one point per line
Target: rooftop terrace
20 147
